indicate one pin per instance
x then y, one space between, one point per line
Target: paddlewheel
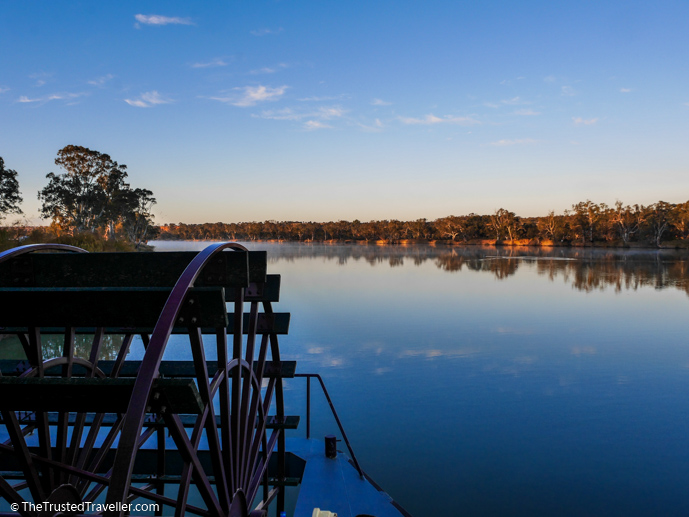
89 430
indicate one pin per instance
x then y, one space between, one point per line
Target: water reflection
584 269
52 345
509 381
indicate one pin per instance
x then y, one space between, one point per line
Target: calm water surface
498 382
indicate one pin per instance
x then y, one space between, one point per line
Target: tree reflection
52 346
586 269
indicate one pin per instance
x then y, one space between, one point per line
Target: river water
484 381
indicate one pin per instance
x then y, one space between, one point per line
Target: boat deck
335 485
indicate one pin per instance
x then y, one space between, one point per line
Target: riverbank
521 243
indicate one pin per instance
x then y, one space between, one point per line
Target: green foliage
9 191
10 238
587 224
93 196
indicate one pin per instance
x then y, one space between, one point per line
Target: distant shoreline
522 243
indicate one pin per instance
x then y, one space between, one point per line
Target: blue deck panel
335 485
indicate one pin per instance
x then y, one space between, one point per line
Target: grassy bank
11 238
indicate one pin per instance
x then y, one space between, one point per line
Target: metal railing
308 377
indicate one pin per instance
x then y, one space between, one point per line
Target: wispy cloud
568 91
431 119
377 127
4 89
380 102
514 101
41 78
52 97
100 81
316 124
527 112
252 95
310 119
578 121
342 96
157 19
507 82
269 70
625 90
266 31
549 79
519 141
148 100
210 64
323 113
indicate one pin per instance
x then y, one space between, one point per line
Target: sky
325 110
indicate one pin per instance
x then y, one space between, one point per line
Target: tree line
586 224
590 270
91 196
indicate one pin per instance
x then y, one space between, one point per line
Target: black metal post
308 408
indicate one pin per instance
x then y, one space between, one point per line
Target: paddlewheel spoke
117 449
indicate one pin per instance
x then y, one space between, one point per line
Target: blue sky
324 110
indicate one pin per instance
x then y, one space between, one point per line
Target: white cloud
331 112
264 32
568 91
251 95
578 121
527 112
210 64
148 100
380 102
549 79
4 89
431 119
323 113
157 19
100 81
625 90
513 101
519 141
315 124
52 97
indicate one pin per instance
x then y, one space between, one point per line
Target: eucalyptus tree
585 217
10 197
547 225
451 226
505 223
680 219
92 195
135 214
418 229
627 219
659 217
